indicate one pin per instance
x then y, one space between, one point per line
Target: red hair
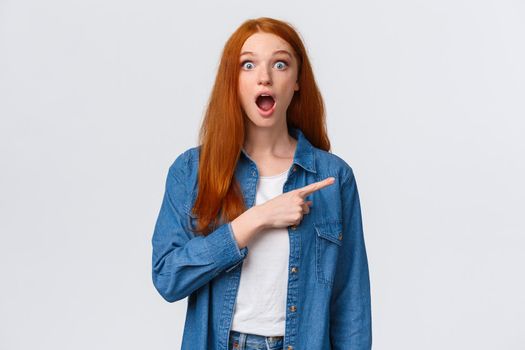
222 133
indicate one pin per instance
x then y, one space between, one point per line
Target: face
268 66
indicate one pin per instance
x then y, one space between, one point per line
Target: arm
181 261
350 307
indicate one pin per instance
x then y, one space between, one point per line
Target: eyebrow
275 53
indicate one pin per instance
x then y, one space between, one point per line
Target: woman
260 225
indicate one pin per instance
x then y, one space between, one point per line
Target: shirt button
294 168
290 347
253 173
294 269
293 227
293 308
340 236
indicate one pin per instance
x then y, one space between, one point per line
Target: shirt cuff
223 247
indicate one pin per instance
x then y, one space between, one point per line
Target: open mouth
265 102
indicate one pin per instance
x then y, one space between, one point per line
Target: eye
246 66
282 61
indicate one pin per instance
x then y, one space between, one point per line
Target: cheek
243 93
245 96
244 90
288 89
287 82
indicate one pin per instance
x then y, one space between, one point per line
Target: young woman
260 225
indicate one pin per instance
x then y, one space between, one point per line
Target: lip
271 110
268 112
266 92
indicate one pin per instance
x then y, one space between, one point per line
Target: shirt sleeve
350 306
181 260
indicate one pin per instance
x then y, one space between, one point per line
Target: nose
264 77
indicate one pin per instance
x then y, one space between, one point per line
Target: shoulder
184 169
330 164
182 177
185 161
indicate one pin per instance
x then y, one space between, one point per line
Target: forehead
265 43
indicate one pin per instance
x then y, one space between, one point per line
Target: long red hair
222 133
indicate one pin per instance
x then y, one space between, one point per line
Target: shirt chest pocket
328 241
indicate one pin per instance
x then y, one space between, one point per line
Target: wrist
258 217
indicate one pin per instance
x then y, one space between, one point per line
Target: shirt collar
304 151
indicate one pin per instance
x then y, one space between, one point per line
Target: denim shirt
328 294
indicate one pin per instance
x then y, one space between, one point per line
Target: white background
425 100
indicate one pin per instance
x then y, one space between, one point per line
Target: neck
271 141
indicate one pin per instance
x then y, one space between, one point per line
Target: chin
262 121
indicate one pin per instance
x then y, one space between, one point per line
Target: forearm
180 267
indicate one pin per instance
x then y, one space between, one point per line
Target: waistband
249 336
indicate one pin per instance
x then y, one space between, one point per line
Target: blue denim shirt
328 295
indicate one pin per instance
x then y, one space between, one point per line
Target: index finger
311 188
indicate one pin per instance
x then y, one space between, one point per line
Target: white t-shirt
260 306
